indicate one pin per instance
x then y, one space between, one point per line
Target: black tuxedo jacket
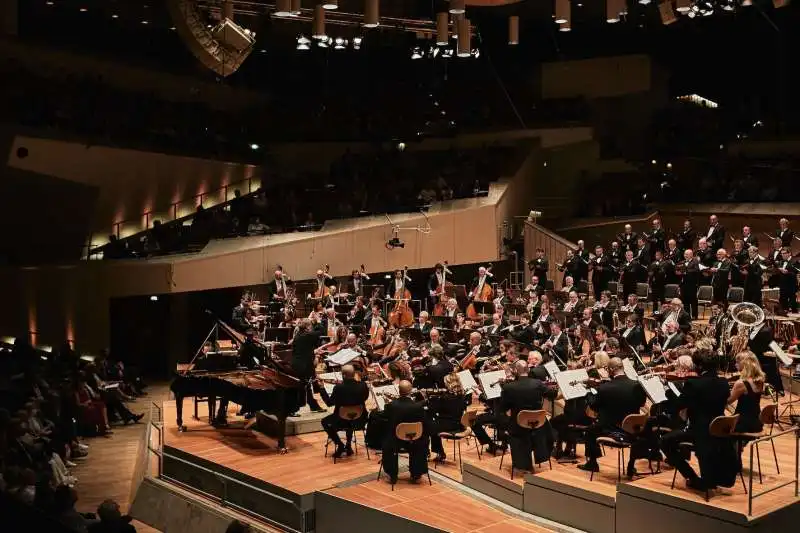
303 347
403 410
617 399
717 238
348 393
523 394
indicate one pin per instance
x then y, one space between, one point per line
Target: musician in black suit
657 238
676 312
773 259
627 239
433 377
444 414
629 274
358 313
704 399
601 273
423 325
748 239
277 287
582 263
788 269
535 286
784 233
557 346
673 339
686 237
404 410
357 279
539 266
613 401
642 256
435 280
632 333
348 393
526 394
397 284
720 277
524 332
658 271
690 281
616 256
305 341
715 237
536 367
673 253
753 271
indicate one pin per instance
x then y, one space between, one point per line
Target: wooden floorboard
108 471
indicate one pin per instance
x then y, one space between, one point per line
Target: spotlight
154 298
416 53
254 146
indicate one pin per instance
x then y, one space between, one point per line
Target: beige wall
597 78
130 182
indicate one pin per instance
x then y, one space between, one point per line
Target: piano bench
199 400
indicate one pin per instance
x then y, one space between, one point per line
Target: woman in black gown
746 392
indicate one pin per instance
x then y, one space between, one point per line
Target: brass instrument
746 316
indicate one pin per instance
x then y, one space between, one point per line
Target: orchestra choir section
457 373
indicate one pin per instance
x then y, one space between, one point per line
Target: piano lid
266 360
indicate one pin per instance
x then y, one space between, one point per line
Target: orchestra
402 359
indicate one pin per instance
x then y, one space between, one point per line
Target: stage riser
254 497
568 509
633 512
160 507
335 515
503 490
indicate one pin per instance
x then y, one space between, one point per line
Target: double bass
323 291
402 316
483 293
441 293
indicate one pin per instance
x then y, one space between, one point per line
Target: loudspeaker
230 34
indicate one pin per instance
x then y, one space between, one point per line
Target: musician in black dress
305 341
348 393
445 412
746 392
760 339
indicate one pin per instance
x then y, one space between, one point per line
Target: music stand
443 322
484 308
278 334
412 335
516 309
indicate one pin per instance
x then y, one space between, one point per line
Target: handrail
796 482
551 234
617 220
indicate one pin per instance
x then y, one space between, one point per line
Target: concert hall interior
341 266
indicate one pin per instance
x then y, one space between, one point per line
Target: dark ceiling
743 57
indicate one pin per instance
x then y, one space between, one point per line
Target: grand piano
270 387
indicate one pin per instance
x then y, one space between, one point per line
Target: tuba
747 316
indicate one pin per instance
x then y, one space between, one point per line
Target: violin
402 316
483 293
441 293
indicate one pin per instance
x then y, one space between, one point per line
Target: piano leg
179 411
282 434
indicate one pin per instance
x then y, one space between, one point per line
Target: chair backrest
642 290
723 426
350 412
531 419
769 414
735 294
705 292
634 424
671 290
408 431
468 418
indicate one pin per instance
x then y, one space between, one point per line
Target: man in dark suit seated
704 398
348 393
526 394
535 366
613 401
403 410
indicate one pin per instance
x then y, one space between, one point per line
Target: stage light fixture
612 11
372 14
330 4
562 11
458 7
565 27
318 22
283 8
683 6
463 46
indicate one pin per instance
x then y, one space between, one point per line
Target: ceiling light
562 11
513 30
565 27
49 3
254 146
457 7
416 53
115 16
83 10
145 22
682 6
302 39
283 8
303 46
330 4
372 14
644 2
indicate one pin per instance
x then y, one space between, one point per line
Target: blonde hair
750 367
601 359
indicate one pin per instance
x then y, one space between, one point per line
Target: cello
482 293
441 293
402 316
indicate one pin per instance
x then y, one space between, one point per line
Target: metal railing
753 444
172 211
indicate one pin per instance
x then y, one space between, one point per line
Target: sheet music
572 383
780 354
652 385
342 357
467 381
379 392
489 383
702 267
674 389
630 371
331 376
552 368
